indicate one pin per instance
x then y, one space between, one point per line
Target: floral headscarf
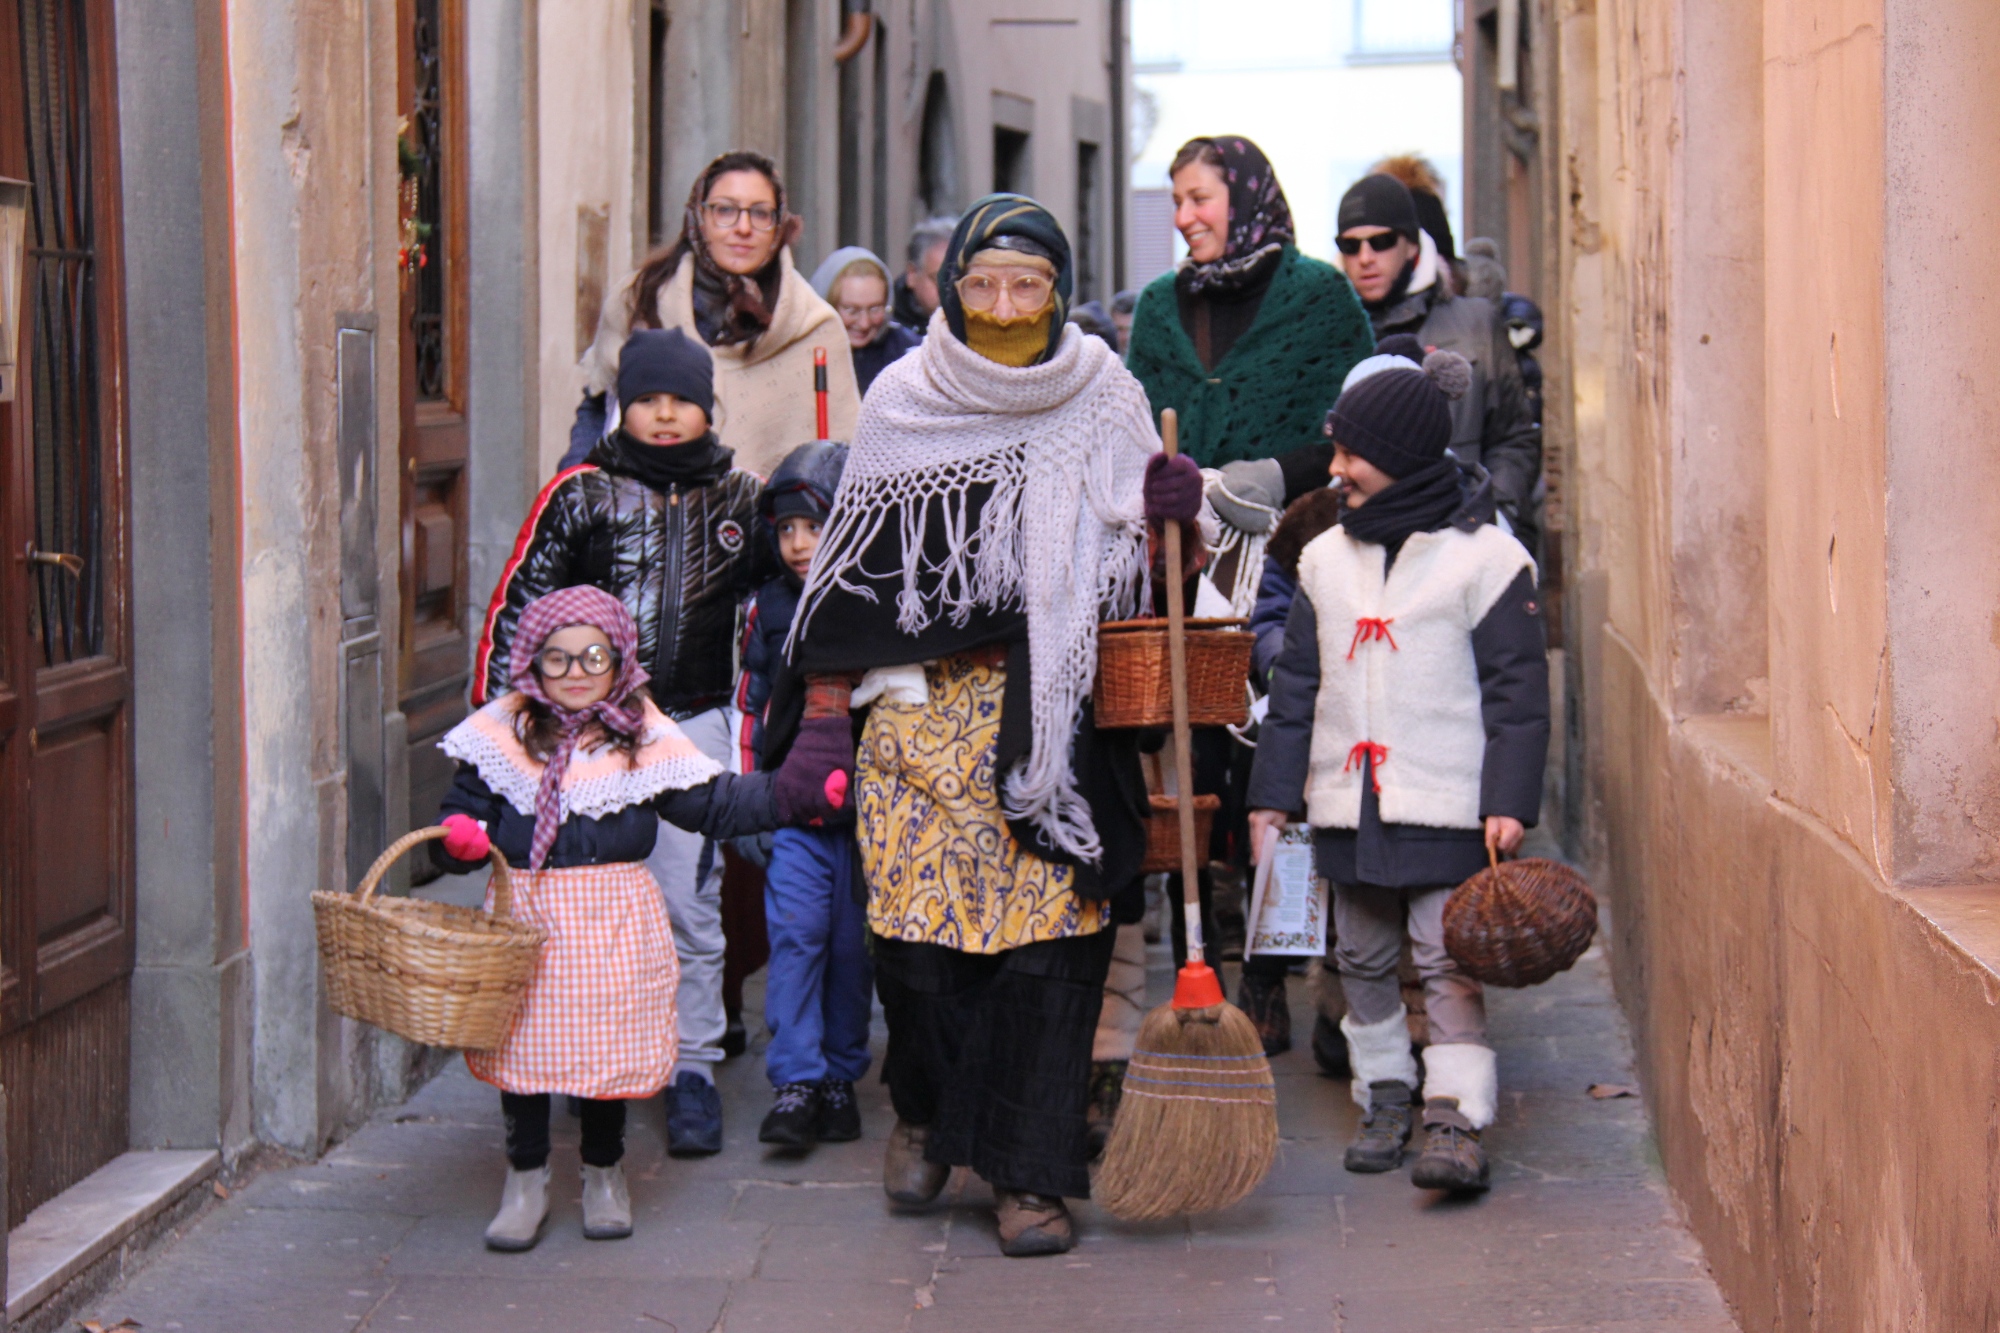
1260 221
621 712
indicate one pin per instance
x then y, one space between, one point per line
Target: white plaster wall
586 103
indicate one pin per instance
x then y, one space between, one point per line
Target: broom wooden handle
1170 436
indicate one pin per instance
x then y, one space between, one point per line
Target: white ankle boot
524 1208
607 1206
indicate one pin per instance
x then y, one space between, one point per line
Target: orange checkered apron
598 1018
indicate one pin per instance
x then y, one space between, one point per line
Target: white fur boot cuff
1467 1072
1378 1052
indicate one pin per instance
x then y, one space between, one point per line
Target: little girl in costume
570 773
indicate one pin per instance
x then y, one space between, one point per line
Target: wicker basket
1134 681
1163 833
1520 923
429 972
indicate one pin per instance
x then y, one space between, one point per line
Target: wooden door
436 648
66 889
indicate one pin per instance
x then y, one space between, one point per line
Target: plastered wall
1775 286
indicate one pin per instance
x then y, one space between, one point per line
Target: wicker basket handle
503 889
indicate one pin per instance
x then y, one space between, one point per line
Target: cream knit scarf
1063 536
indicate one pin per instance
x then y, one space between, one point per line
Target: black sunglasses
1381 242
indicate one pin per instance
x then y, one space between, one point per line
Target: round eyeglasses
724 215
1029 292
596 660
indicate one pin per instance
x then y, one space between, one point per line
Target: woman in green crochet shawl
1249 339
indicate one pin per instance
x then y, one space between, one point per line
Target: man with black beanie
1399 276
660 517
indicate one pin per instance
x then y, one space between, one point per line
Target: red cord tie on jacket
1370 756
1369 629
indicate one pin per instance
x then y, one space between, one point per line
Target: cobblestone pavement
384 1232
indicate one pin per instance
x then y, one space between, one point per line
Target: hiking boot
909 1180
1032 1224
694 1117
794 1118
1452 1158
839 1113
607 1205
524 1211
1385 1129
1107 1086
1262 999
1330 1048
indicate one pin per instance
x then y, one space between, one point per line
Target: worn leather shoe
1452 1158
524 1211
1032 1224
1385 1129
839 1113
909 1180
794 1117
1263 1001
1330 1048
694 1117
607 1205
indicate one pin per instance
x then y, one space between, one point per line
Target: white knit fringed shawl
1062 535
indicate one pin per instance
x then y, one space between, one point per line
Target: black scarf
1445 494
692 465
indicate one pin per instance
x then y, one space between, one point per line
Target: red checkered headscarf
621 712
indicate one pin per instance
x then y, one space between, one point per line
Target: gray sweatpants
1368 924
689 868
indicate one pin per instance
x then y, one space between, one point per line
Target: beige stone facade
1769 287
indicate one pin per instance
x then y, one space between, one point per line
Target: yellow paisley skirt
942 866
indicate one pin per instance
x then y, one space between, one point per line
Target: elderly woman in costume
996 507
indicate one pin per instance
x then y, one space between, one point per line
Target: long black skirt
992 1052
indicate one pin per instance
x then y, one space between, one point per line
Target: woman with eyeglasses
728 280
999 501
857 284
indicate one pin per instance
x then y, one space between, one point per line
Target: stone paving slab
384 1232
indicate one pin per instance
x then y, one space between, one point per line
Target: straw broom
1197 1126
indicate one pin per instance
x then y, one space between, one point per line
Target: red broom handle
1170 435
819 391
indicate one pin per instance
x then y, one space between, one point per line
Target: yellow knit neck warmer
1010 342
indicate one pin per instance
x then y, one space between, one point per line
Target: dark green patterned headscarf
1008 222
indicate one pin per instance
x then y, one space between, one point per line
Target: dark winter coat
680 560
764 632
1304 519
1493 425
729 806
894 340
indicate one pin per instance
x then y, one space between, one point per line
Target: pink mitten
836 788
464 840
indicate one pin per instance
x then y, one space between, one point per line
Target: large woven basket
1134 683
1163 833
1520 923
429 972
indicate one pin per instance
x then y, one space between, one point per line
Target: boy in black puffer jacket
816 997
660 517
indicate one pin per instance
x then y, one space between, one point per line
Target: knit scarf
620 713
1260 221
1058 451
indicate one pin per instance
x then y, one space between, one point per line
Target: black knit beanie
1379 201
666 361
1400 420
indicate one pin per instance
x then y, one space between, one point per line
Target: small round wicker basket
432 973
1520 923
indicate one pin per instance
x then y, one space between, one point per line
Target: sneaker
694 1117
1263 1000
1452 1158
839 1113
793 1118
1385 1129
1330 1048
909 1179
1107 1087
524 1211
607 1205
1032 1224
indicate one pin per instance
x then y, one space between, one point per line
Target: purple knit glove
811 786
1172 490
